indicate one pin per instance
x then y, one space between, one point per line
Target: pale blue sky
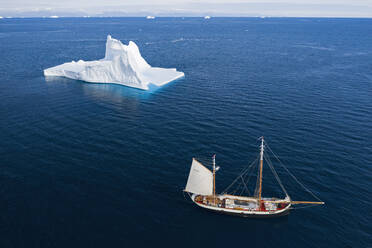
316 8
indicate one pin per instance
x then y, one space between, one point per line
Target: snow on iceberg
122 64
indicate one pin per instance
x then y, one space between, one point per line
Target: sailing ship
202 191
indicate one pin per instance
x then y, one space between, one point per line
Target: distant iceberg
150 17
122 64
207 17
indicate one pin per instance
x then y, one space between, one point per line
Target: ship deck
244 206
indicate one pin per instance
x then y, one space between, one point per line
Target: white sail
200 179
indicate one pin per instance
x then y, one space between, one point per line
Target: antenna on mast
214 161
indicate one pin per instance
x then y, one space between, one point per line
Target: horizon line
144 16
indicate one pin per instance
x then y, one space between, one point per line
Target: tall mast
261 165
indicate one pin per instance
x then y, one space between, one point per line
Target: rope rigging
245 186
241 182
246 181
268 161
257 184
247 172
241 174
303 186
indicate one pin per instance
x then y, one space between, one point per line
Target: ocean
92 165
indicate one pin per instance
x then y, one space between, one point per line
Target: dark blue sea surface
91 165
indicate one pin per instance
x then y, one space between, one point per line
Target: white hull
241 211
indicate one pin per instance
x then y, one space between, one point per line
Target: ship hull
245 213
248 215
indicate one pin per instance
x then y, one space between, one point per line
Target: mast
261 165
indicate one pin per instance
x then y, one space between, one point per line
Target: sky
278 8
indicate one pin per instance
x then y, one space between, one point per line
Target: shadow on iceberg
152 87
122 64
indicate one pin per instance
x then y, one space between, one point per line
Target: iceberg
122 64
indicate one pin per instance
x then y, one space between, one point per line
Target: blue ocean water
89 165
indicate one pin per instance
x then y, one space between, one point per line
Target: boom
307 202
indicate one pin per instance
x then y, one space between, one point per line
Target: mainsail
200 179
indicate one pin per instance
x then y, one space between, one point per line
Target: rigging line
272 168
237 188
242 176
243 180
237 178
245 186
241 173
251 170
249 177
275 174
241 192
247 174
257 182
303 186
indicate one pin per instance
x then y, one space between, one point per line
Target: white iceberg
122 64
